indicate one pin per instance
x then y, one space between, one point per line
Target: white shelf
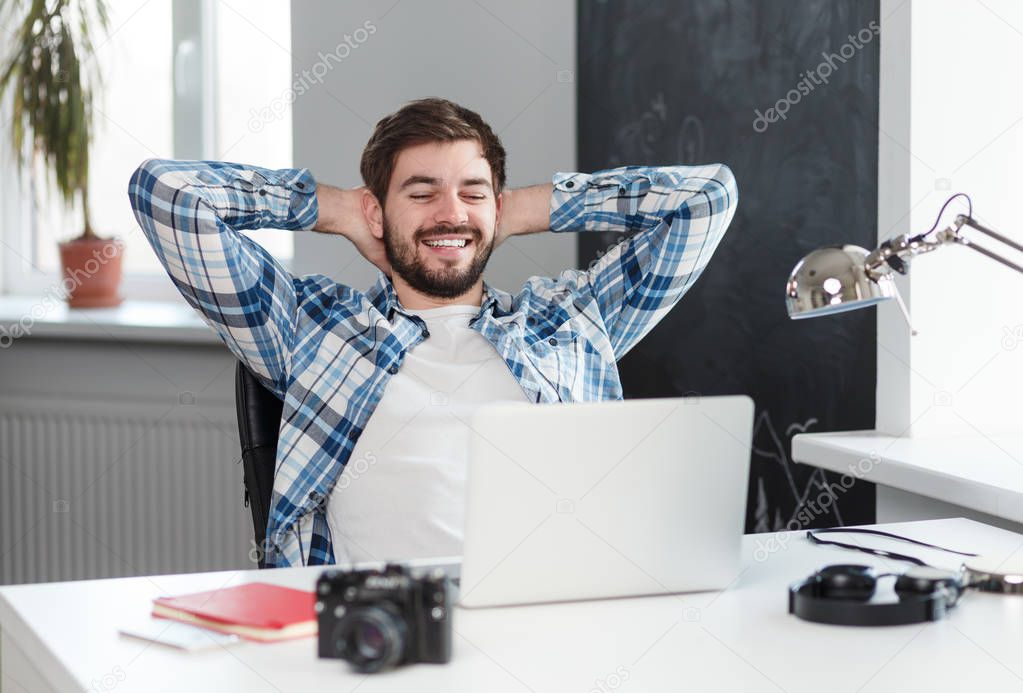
981 473
146 321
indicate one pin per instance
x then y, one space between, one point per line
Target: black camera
380 618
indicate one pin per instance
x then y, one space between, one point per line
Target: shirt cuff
575 193
292 199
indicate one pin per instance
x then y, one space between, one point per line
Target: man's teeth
447 243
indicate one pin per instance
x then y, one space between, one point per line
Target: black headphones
840 594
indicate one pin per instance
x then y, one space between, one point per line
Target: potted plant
51 86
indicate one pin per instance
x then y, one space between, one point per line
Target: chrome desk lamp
840 278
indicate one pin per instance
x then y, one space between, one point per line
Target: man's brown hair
419 122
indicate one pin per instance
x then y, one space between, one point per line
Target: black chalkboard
664 82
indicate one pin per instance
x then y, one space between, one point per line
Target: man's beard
448 282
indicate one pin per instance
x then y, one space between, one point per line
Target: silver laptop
604 499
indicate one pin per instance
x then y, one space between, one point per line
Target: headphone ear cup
922 580
853 582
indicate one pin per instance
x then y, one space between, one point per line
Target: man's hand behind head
341 213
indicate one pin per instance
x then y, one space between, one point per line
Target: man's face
440 216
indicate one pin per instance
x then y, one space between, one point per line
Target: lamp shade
834 280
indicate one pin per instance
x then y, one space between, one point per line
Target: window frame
194 85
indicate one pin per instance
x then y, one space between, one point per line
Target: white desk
741 639
979 477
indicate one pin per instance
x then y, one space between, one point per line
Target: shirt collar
385 299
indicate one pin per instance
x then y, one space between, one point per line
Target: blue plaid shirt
327 350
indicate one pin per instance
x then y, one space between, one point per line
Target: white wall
952 120
500 59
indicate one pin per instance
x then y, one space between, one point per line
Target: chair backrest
259 419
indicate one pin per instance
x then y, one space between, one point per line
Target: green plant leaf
51 96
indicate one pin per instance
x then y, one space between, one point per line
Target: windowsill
143 321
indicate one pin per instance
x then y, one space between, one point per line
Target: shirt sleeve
191 213
678 215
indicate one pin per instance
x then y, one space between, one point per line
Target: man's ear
373 212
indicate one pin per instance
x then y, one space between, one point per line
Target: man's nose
451 210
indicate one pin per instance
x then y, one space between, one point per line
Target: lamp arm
895 253
973 223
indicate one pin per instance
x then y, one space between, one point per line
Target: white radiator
151 490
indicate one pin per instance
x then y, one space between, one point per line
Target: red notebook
256 611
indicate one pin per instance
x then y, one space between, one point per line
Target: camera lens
369 640
372 638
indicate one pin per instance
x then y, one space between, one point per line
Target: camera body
376 619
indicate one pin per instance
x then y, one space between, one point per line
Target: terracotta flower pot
92 271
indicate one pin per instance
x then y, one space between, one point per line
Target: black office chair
259 420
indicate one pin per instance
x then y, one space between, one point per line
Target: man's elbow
709 207
705 191
148 169
143 171
142 192
723 191
720 200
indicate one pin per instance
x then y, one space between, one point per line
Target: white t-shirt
402 493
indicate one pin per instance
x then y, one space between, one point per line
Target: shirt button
262 191
530 321
393 369
426 333
570 184
300 186
552 341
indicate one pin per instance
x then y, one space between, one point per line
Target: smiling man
379 385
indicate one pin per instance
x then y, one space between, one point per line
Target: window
182 79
